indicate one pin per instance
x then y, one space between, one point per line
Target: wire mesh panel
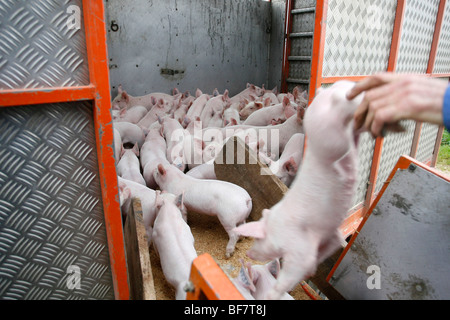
417 35
358 37
52 232
442 62
39 47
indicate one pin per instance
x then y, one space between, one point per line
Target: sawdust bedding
210 237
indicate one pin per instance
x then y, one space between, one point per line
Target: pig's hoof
228 254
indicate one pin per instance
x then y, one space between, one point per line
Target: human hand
391 97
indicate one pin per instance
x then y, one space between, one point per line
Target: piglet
250 90
130 133
286 167
152 153
195 110
303 228
263 278
117 145
130 189
214 105
174 134
229 202
129 166
174 243
125 100
264 116
231 114
155 113
253 106
133 114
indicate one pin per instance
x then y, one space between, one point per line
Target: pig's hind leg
296 266
233 239
329 246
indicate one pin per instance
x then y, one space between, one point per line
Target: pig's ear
286 101
125 194
161 169
290 166
136 149
119 88
245 279
304 95
255 229
233 121
179 201
159 200
275 90
273 267
300 114
267 102
198 93
225 95
215 92
175 91
123 111
259 104
125 96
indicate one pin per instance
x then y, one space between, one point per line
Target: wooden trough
147 281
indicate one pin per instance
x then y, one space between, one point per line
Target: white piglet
303 228
286 167
229 202
174 243
129 166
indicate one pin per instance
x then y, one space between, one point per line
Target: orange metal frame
210 282
402 164
98 92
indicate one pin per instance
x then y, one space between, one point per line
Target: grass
443 160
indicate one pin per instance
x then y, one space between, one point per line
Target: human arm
391 97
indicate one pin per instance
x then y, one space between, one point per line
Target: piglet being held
303 228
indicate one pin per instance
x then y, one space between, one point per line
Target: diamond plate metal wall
358 37
442 62
51 213
417 35
427 141
365 154
394 146
37 48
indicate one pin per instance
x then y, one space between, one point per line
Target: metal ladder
299 32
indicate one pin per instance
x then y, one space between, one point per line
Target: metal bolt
189 287
419 288
412 167
376 211
353 247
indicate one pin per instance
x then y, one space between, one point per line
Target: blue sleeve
446 109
